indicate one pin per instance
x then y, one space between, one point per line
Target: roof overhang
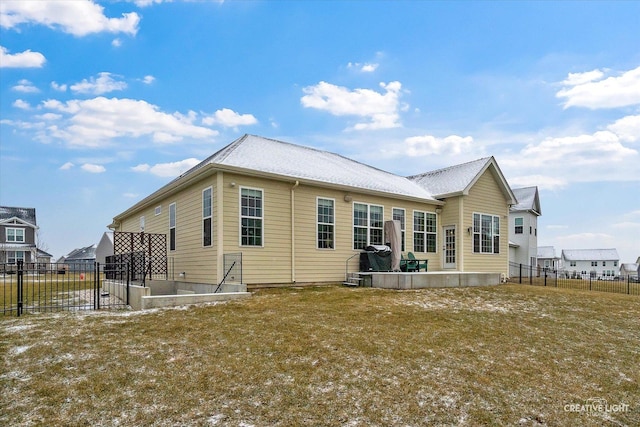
17 221
213 168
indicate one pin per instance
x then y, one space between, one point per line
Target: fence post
556 278
520 274
628 284
96 286
20 282
545 276
128 281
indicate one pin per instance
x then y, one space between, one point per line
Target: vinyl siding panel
271 262
486 197
197 262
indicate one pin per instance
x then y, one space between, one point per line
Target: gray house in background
18 235
629 270
81 259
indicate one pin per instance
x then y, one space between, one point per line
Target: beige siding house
301 215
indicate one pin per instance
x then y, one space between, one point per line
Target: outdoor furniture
420 263
407 265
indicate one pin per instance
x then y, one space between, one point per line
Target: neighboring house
18 234
594 263
302 215
81 259
43 257
629 270
547 258
105 247
523 226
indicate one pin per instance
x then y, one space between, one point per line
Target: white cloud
167 169
229 118
88 167
627 128
93 122
74 17
130 195
25 86
427 144
116 42
541 181
26 59
365 68
591 91
148 79
23 105
59 88
380 109
104 83
66 166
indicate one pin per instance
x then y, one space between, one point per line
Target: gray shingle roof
25 214
88 252
451 180
546 252
271 156
590 254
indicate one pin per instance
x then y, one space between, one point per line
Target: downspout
462 234
293 232
219 225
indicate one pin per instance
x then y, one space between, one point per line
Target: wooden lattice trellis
146 252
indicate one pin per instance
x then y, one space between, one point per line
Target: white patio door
450 247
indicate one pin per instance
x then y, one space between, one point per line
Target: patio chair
407 265
418 265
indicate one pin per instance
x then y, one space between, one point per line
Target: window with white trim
424 231
158 210
326 223
251 217
207 213
519 225
15 235
398 214
172 227
368 223
142 224
15 256
486 234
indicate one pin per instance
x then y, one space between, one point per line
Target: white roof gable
590 254
528 200
255 153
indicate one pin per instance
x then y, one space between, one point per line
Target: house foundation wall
430 280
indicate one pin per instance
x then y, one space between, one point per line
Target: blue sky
101 103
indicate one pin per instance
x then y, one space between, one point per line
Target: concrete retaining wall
159 301
162 293
434 279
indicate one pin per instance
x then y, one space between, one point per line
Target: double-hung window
14 256
326 223
15 235
424 231
398 215
207 212
251 217
368 222
486 234
519 225
172 227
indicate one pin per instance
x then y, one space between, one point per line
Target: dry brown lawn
334 356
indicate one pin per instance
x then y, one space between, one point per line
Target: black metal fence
537 276
143 267
27 288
